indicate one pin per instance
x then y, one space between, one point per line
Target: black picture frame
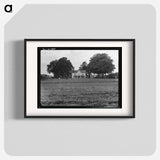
120 70
80 48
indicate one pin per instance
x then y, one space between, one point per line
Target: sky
75 56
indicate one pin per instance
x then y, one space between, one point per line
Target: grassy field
79 92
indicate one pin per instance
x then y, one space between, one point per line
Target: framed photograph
79 78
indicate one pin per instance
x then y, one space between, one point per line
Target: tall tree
61 68
101 64
83 66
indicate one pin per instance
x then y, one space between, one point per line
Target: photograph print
79 77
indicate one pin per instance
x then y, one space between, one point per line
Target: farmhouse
79 74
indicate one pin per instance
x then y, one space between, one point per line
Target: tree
83 66
101 64
61 68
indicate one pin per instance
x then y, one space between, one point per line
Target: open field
79 92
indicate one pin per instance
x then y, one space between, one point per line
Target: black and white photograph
81 77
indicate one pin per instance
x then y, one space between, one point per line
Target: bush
112 76
44 76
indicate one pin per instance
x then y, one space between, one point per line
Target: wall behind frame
81 136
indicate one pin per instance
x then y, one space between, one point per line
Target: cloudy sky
75 56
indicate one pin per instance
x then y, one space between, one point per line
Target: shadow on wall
19 79
14 79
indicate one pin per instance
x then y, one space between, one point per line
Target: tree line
100 64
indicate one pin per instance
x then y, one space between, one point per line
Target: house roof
82 71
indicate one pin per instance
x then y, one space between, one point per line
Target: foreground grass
79 92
